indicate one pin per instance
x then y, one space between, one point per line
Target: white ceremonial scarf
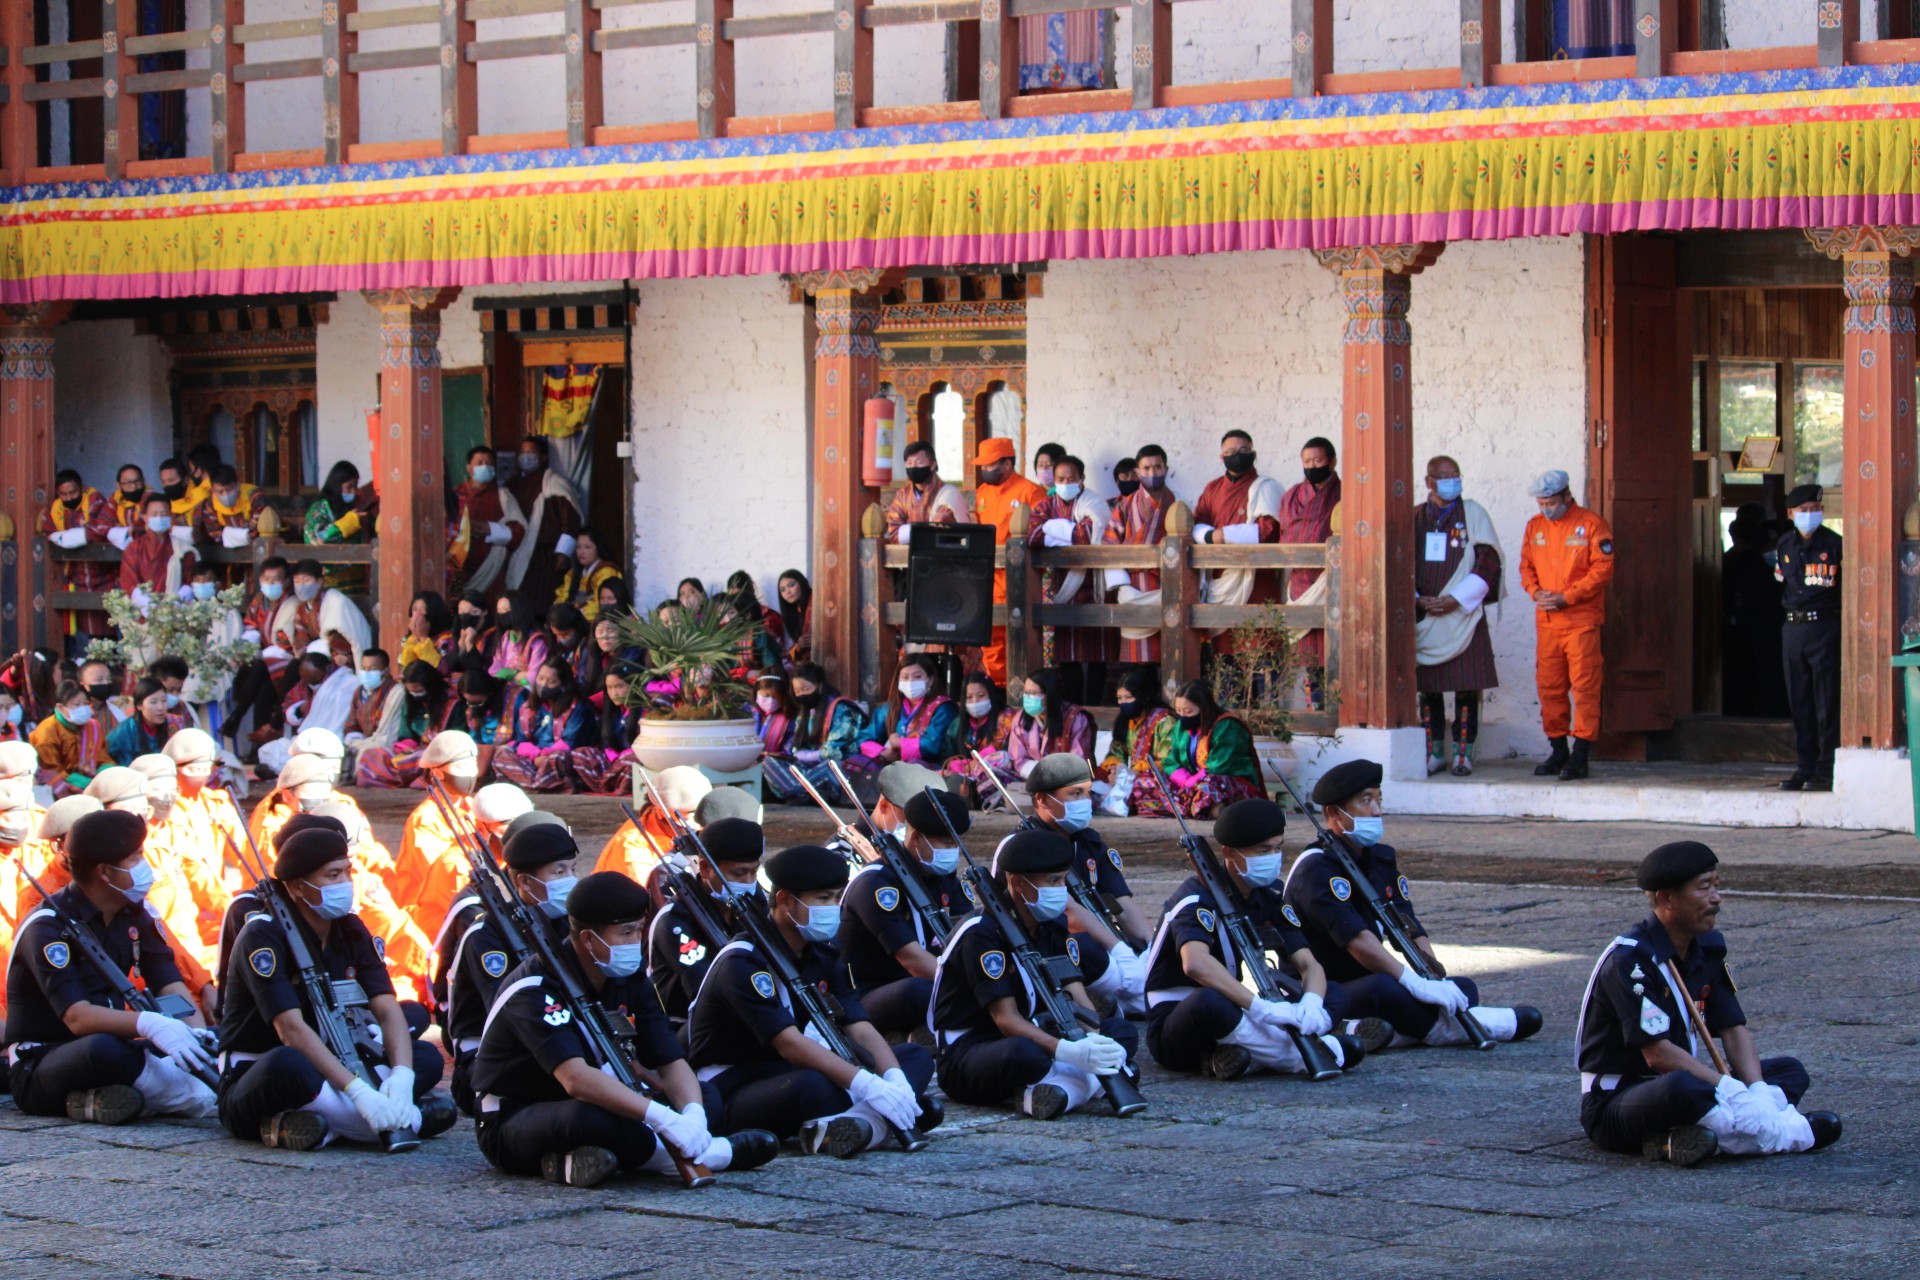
1235 586
1444 637
1090 507
552 485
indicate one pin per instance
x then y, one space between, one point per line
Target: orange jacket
635 853
1573 556
994 505
429 867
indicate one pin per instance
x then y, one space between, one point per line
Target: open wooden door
1639 468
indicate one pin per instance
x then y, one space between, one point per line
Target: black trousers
1465 729
898 1007
1181 1035
514 1138
43 1077
1811 651
283 1080
460 1082
780 1097
1621 1119
988 1069
1378 996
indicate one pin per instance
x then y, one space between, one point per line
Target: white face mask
913 690
980 708
1068 491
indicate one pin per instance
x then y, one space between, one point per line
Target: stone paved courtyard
1427 1163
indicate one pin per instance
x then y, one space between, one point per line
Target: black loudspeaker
950 584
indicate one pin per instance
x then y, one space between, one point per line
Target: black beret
538 844
1034 853
1801 495
806 868
734 839
106 835
1344 781
305 852
306 822
608 897
1672 865
532 818
922 816
1246 823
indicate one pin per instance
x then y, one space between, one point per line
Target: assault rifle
681 884
888 851
1388 916
340 1014
82 939
609 1034
1243 935
822 1010
1048 976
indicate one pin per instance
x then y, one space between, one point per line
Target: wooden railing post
459 79
999 58
1656 26
1023 593
712 65
852 63
19 132
1836 29
1893 19
1179 592
1312 45
879 654
1530 30
586 101
27 460
1331 654
1479 41
228 119
120 113
1152 51
339 86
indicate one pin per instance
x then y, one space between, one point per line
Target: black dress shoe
1352 1052
751 1149
437 1115
1820 782
1683 1147
1798 782
1228 1062
932 1113
1526 1021
1556 760
1826 1128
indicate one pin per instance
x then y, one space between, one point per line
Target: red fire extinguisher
876 458
373 444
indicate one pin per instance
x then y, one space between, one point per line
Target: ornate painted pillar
26 466
1877 478
1377 493
846 374
413 522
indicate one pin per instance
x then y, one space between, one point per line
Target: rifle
1387 915
138 1001
607 1032
344 1033
681 885
823 1012
1243 935
935 920
1091 901
1048 982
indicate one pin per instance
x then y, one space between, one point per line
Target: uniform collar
1653 936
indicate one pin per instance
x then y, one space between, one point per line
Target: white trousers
170 1090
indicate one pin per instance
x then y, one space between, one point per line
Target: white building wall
1179 351
111 404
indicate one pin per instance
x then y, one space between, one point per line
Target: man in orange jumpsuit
1565 566
1000 488
428 866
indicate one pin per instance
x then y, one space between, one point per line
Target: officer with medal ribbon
1061 785
678 954
1652 1078
1807 564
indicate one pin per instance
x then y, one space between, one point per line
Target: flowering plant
195 631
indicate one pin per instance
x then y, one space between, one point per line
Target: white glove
185 594
868 1088
141 600
1122 953
1095 1053
1201 532
564 544
905 535
352 738
182 535
1275 1013
251 635
120 536
1772 1093
68 538
1728 1090
695 1118
235 538
398 1086
1241 535
678 1131
379 1111
1314 1018
173 1038
898 1107
498 535
1058 532
1438 991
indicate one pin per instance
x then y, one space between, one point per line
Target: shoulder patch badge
888 898
1341 889
966 887
691 950
1293 917
1113 856
1637 973
380 946
494 962
555 1014
1606 546
763 983
1073 949
57 954
263 961
1404 892
1205 917
1653 1019
993 964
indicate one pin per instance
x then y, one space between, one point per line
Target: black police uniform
461 913
262 1077
876 920
47 975
1332 914
979 1064
679 952
740 1009
1098 861
1629 1005
479 962
1185 1022
1810 644
243 906
523 1111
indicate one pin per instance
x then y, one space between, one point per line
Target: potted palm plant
709 721
1256 682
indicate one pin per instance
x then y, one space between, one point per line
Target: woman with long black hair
338 515
423 713
1206 755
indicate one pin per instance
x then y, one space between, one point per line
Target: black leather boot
1577 762
1556 760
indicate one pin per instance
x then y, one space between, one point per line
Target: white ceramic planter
724 746
1276 758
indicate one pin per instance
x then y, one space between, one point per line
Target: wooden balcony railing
457 37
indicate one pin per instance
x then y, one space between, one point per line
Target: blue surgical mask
348 495
159 524
554 905
942 861
1078 813
1033 704
205 590
1051 902
273 590
308 591
1448 487
622 961
484 475
822 923
371 680
1366 831
336 900
14 714
1807 521
734 890
1263 868
1067 492
142 873
173 701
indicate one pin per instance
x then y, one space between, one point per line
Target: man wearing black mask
174 483
925 498
97 679
130 486
1306 515
1124 479
1241 507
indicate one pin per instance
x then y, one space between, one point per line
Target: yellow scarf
242 506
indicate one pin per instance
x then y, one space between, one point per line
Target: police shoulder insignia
57 954
1653 1019
888 898
494 962
555 1014
1637 972
1113 856
1205 917
993 964
264 961
1293 917
1341 889
763 983
1606 546
1404 893
1073 949
380 947
692 951
966 887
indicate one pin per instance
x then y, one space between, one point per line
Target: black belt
1813 615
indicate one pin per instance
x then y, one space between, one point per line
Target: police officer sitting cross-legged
545 1105
746 1038
1061 785
1200 1015
890 956
540 858
984 1008
462 913
280 1082
1645 1082
75 1048
679 951
1347 942
1807 563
